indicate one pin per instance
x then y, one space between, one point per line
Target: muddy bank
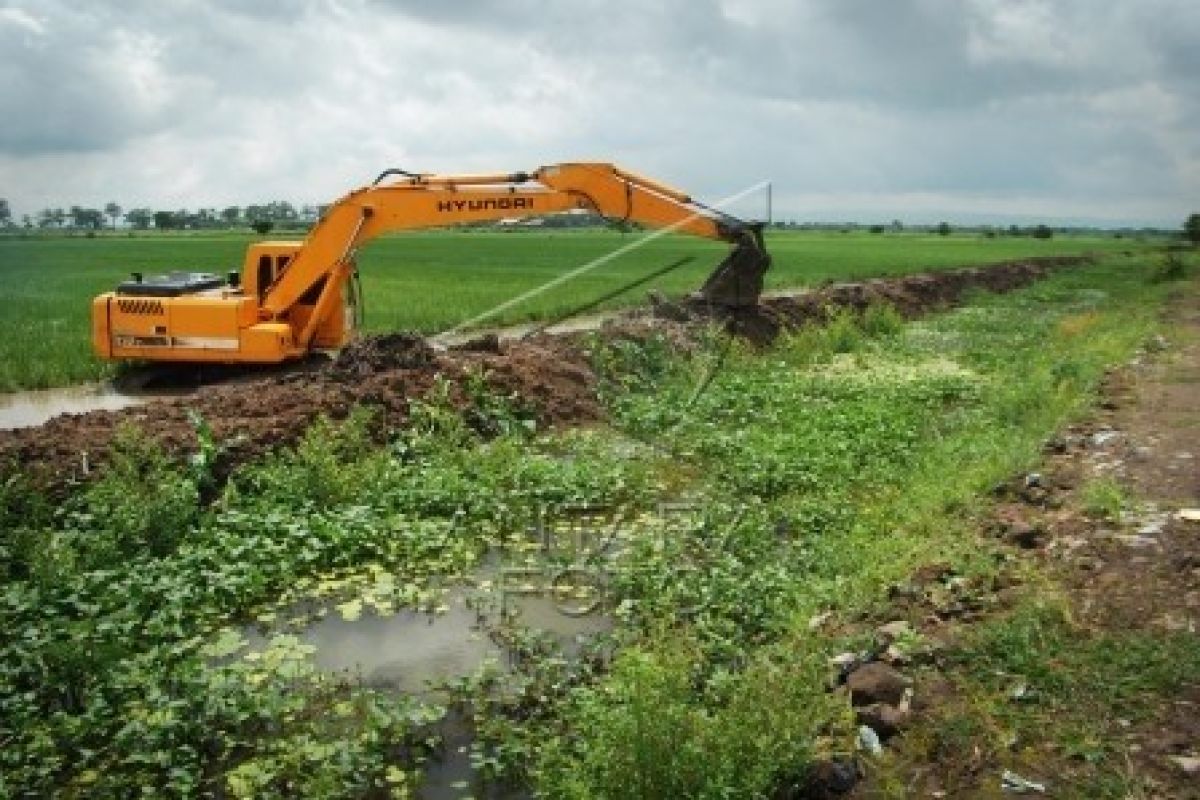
549 375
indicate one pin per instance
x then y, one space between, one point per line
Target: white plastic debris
1012 782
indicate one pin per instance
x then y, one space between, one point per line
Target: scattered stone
886 720
1135 540
1175 622
876 683
894 630
1189 764
844 660
1101 438
1189 514
895 656
1033 479
869 741
1153 526
817 621
837 776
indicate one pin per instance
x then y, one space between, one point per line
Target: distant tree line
280 214
1190 231
264 217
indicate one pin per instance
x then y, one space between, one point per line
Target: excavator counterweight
295 296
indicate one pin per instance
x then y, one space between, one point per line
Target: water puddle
37 407
415 652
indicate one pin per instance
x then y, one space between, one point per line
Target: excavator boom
291 296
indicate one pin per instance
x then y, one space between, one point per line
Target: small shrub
142 503
491 414
1172 268
24 514
882 319
842 333
330 464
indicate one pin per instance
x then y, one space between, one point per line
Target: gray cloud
905 108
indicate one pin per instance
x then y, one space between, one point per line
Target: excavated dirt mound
548 375
911 295
390 351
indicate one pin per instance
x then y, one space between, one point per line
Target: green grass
1076 685
432 281
826 469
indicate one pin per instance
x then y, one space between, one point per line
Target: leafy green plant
882 319
142 503
25 516
842 333
492 414
824 469
332 463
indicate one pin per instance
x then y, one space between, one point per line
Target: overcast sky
1075 110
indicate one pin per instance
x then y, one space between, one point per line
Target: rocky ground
1109 527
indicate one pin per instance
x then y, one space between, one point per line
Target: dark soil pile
911 295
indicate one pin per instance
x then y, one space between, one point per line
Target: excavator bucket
737 281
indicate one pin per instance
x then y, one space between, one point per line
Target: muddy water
412 651
409 651
406 651
37 407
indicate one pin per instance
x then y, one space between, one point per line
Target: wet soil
548 375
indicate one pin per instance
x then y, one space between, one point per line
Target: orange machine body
293 297
220 324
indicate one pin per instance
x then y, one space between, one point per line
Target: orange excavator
294 297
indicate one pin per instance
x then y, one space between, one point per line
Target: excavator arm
430 201
291 296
